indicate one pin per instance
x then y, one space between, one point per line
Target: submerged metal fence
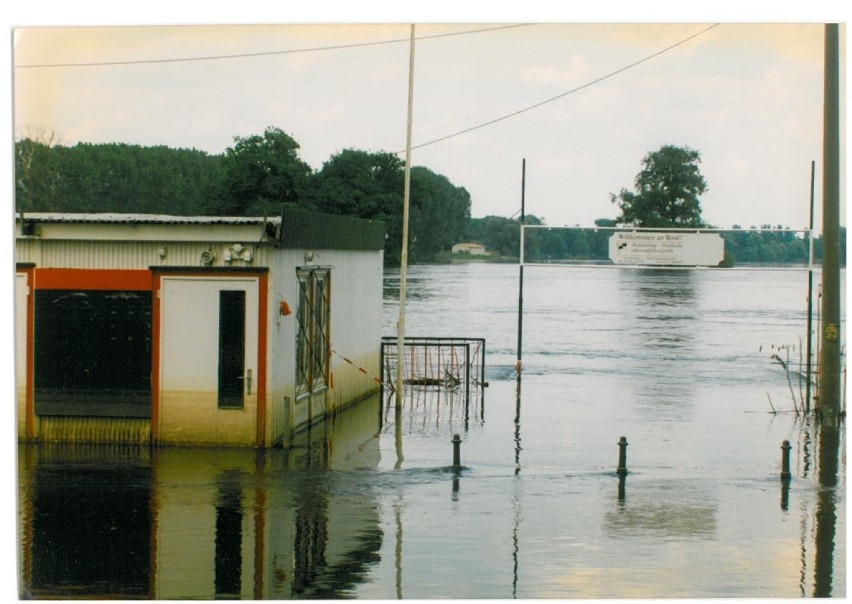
436 362
436 371
454 364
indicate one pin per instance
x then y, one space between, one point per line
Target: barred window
312 341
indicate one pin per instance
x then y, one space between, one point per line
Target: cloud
742 94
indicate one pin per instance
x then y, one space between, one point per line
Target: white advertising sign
667 248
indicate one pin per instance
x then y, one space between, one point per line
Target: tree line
259 174
754 245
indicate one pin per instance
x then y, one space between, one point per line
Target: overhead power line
564 94
270 52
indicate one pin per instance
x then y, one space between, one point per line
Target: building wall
355 330
474 249
283 287
355 325
130 254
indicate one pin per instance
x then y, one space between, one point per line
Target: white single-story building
474 249
179 330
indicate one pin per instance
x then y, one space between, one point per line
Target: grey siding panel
301 228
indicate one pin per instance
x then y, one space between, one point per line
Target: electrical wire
269 53
395 41
564 94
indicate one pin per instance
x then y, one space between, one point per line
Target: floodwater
369 506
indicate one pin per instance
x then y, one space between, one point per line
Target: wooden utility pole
830 363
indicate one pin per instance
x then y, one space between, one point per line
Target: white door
208 360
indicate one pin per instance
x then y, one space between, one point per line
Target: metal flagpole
809 375
403 258
518 362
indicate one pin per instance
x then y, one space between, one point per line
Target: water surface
367 506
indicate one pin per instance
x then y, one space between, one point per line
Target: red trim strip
103 279
263 288
155 357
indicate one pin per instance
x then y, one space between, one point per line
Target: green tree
36 175
667 191
363 184
113 177
439 212
503 236
262 173
359 183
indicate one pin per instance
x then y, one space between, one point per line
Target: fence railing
435 362
436 370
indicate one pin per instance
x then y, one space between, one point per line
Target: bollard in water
622 456
456 455
785 460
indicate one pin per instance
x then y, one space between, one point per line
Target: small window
312 342
232 348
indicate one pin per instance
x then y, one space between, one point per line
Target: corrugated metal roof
301 228
115 218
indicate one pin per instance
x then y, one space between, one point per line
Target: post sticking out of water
622 456
809 356
403 257
521 273
785 460
456 452
830 375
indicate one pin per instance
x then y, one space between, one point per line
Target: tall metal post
403 258
520 322
830 370
521 274
809 375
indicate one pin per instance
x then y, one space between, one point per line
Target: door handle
247 380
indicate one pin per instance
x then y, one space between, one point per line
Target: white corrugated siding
126 254
356 325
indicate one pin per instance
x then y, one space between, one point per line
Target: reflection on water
826 513
652 512
228 531
87 528
367 505
662 319
200 523
661 307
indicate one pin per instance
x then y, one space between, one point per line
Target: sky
561 110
